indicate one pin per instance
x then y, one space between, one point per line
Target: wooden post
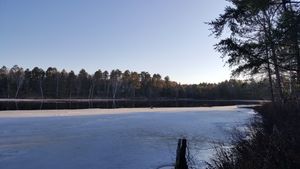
181 162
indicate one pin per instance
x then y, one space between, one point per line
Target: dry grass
274 142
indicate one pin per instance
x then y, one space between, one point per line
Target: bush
273 142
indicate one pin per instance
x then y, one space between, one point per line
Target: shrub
273 142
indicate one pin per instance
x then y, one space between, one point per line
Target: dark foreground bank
273 143
46 104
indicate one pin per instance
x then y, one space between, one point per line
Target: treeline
263 39
37 83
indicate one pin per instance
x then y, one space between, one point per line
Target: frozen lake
111 138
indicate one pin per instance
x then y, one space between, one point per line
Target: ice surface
112 138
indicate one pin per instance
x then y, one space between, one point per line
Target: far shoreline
58 104
125 99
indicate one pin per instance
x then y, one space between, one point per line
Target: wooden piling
181 162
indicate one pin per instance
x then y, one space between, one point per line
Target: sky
168 37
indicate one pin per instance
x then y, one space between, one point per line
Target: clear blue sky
159 36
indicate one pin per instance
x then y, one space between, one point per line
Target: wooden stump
181 162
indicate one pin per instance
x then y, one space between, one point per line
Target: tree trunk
41 89
277 73
57 88
270 82
91 91
20 82
269 73
8 88
115 88
295 37
273 56
107 90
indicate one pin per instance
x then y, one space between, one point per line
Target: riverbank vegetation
264 40
273 142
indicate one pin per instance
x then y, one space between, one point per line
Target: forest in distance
20 83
